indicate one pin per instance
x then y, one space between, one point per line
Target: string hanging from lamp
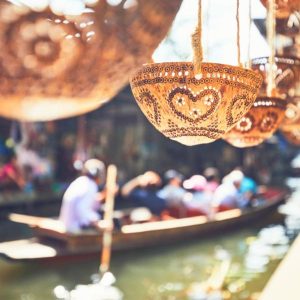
286 71
267 112
194 102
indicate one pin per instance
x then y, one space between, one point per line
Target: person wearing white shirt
227 195
81 201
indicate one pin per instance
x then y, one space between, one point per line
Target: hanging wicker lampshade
291 119
267 112
289 26
284 7
258 124
292 136
54 66
287 73
194 103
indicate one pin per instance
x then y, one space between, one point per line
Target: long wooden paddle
108 218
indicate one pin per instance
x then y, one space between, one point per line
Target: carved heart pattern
151 107
193 107
234 112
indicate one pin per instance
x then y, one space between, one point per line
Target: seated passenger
212 178
142 190
248 190
81 201
227 195
173 193
197 200
11 175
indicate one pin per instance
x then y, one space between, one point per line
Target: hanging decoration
284 7
287 73
55 66
289 26
258 124
265 116
292 136
291 119
195 102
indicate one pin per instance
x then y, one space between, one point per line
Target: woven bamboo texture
194 108
258 124
292 136
289 26
284 7
53 67
291 119
287 73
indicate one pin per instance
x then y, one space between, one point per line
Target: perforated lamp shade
284 7
291 119
292 136
287 73
259 124
194 108
53 67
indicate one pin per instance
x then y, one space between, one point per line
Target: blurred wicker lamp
292 136
289 26
287 73
194 102
284 7
264 118
291 119
55 66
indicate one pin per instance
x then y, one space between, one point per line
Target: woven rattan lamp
258 124
54 66
292 136
265 116
284 7
287 73
291 119
194 103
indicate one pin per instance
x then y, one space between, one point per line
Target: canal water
158 273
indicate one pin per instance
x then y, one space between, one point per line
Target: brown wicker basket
194 109
54 67
287 73
291 119
292 136
284 7
258 124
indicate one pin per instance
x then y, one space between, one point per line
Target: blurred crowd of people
202 194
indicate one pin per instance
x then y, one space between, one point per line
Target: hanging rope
249 34
238 32
197 41
271 22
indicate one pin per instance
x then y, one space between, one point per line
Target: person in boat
248 190
11 175
227 195
212 177
82 201
197 200
173 192
142 190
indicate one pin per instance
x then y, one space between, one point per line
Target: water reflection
174 272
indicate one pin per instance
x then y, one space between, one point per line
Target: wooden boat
51 241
